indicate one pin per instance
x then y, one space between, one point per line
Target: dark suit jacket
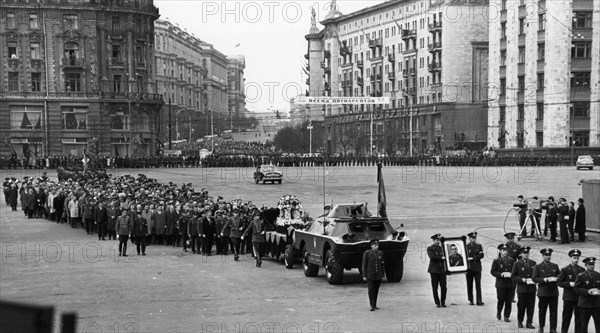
580 219
500 266
584 282
513 250
172 218
545 270
523 270
140 226
436 263
567 275
100 216
372 265
475 251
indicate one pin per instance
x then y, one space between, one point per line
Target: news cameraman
521 206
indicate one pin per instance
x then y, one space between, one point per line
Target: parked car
585 161
268 173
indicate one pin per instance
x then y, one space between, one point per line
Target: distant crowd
234 158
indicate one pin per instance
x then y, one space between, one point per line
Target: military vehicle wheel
288 256
310 270
333 269
394 271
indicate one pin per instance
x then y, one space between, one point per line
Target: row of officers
516 272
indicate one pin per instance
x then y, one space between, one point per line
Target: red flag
381 200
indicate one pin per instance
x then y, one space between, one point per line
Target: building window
115 23
25 117
71 51
521 80
72 82
502 114
580 79
580 110
581 50
140 55
117 82
521 54
521 26
581 138
540 111
542 22
35 50
116 53
503 58
70 22
582 20
540 81
541 51
10 21
33 21
503 30
13 81
140 84
36 81
12 50
520 112
539 139
74 117
502 86
119 121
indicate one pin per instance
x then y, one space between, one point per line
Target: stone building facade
544 74
429 57
78 72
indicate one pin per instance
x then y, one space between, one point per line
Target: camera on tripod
520 205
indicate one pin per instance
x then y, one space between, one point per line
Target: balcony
405 72
406 34
307 82
410 91
73 62
391 57
378 77
359 81
377 42
325 67
503 43
347 64
408 51
372 78
345 50
391 76
360 64
435 66
435 26
435 46
326 54
412 71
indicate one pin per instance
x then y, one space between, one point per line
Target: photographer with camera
521 206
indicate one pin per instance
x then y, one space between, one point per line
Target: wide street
167 290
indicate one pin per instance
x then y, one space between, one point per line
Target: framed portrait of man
455 249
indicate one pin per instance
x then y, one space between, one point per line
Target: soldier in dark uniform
372 269
513 252
437 270
502 270
587 286
258 228
474 256
140 231
566 280
546 275
521 275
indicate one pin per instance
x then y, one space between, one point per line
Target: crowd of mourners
241 159
142 210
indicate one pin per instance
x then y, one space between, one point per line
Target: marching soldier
566 280
437 270
474 256
257 227
546 275
502 270
587 286
522 273
372 267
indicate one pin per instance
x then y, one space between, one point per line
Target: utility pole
310 128
410 129
170 147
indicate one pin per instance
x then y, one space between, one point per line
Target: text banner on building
341 100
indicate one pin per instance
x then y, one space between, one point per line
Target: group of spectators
142 210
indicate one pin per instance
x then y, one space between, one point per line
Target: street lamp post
212 131
310 128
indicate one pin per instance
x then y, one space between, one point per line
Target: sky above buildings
269 33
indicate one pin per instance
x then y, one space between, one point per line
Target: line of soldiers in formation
224 160
145 212
515 272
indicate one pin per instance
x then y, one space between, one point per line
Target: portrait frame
455 254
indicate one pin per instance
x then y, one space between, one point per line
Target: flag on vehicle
381 200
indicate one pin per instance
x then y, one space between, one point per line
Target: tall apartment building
181 70
78 71
215 86
544 73
429 57
235 81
